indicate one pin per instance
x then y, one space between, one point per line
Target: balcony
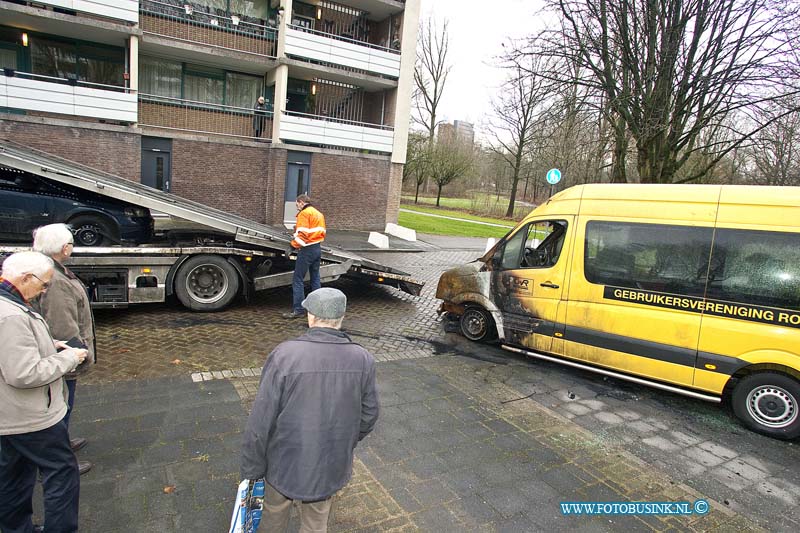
47 94
127 10
337 133
336 50
191 24
200 117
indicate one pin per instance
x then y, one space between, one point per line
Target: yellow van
693 289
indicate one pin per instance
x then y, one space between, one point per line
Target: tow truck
206 267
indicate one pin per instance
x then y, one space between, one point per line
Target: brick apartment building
163 92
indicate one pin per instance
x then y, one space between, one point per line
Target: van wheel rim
475 323
772 406
207 283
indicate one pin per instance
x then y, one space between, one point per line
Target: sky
477 30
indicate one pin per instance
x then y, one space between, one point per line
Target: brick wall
393 193
230 177
199 33
274 200
111 150
350 190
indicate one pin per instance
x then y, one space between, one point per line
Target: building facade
164 92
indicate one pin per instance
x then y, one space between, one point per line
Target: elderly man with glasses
66 309
33 435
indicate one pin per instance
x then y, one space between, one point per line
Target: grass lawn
443 226
459 214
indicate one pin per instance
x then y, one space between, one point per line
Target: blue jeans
21 456
307 262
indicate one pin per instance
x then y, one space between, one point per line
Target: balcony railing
327 131
189 24
200 117
35 92
127 10
337 50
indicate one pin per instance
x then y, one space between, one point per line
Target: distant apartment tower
163 92
463 131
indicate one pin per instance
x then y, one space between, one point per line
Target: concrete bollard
407 234
378 239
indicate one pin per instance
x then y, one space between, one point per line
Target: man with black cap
315 402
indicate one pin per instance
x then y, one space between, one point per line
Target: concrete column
405 84
283 23
134 63
281 78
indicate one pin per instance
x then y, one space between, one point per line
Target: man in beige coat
65 306
33 435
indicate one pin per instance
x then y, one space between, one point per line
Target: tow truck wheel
767 403
476 324
206 283
90 231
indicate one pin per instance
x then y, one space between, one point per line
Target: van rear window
756 267
655 257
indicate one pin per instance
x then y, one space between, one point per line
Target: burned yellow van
693 289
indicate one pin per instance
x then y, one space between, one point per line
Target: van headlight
140 212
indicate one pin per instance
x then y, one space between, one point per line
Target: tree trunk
416 195
618 156
438 195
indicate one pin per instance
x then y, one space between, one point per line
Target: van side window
756 267
655 257
537 245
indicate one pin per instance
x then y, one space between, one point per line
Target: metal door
297 181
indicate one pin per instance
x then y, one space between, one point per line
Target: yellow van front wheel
477 324
767 402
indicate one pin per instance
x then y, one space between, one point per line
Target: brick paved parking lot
471 438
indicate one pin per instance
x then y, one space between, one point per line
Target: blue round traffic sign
553 176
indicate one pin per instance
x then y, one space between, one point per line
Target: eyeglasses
45 284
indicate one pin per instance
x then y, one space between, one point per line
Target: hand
80 354
61 345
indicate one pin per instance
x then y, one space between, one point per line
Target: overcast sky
477 29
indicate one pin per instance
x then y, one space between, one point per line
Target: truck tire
91 231
206 283
476 324
767 403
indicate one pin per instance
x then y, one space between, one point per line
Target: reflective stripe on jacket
310 227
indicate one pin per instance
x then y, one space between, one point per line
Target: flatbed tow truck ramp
205 267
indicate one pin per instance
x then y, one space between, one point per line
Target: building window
205 85
77 60
160 77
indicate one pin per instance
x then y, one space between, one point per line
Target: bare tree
449 160
775 152
417 158
515 118
430 75
671 69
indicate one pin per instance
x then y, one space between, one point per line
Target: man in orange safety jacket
309 232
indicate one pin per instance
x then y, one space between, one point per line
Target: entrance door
157 163
297 181
528 281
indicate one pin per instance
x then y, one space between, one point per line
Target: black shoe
38 529
84 466
77 444
293 314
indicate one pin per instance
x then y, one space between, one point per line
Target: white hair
317 322
50 239
21 263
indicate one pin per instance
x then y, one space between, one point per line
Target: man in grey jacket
33 435
316 400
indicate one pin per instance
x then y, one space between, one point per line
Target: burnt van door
528 281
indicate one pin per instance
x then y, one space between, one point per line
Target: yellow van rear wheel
768 403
